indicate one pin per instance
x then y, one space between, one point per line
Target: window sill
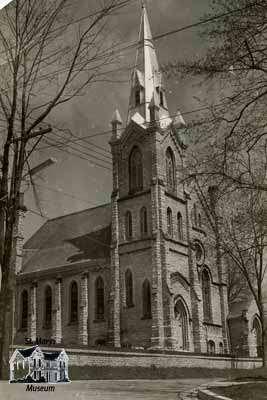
210 323
146 317
135 191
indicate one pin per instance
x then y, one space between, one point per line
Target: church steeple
147 77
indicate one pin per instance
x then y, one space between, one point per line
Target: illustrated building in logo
34 365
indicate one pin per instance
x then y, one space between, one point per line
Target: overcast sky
74 184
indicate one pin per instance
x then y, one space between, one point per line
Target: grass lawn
250 391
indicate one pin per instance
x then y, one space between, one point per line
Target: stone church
137 272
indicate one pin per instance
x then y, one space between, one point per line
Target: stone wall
131 359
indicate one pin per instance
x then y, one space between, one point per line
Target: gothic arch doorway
256 327
181 325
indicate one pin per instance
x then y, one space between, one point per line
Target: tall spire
146 78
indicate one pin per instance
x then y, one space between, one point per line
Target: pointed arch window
24 309
146 295
182 319
221 348
128 225
169 222
180 226
129 288
206 296
170 170
99 299
73 302
48 307
161 98
211 347
143 221
135 170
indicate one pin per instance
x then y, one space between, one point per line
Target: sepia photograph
133 199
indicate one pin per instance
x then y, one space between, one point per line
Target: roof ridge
78 212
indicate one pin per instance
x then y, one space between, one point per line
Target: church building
138 272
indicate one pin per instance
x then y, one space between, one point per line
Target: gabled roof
27 352
52 356
83 235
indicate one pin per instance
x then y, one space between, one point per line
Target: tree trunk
5 329
6 300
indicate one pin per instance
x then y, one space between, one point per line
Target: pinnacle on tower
178 120
116 123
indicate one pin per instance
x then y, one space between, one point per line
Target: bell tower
141 300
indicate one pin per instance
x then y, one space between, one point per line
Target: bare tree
237 288
235 65
46 59
237 228
228 140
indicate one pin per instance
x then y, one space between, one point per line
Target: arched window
180 226
146 294
99 299
135 170
182 320
170 170
199 252
211 347
128 225
221 348
129 288
24 309
161 98
73 302
206 297
258 333
48 307
143 221
137 97
169 222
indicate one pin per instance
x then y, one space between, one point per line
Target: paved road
104 390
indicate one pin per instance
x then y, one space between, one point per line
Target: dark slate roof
83 235
27 352
52 356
